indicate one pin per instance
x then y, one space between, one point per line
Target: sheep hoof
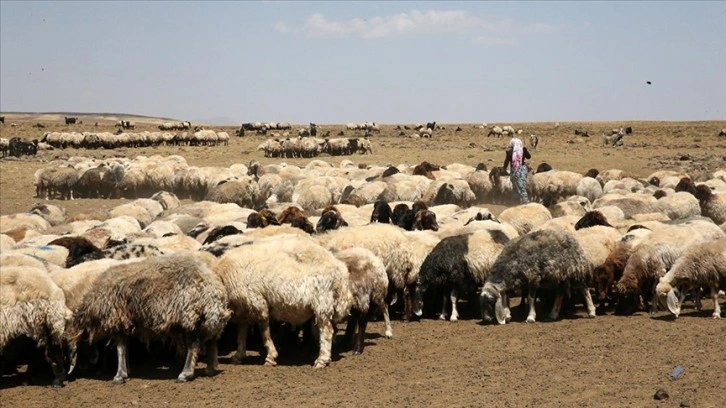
56 384
320 364
530 319
236 359
442 317
389 335
356 352
454 319
270 363
715 315
182 379
592 315
118 380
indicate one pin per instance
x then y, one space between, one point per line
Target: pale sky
386 62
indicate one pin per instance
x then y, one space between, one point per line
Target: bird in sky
648 82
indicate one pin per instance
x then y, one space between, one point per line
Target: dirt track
575 362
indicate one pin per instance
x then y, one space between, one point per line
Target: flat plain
609 361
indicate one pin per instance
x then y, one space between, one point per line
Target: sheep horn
73 358
499 311
673 304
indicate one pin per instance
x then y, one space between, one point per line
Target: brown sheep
154 297
425 169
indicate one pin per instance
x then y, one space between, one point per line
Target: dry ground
605 362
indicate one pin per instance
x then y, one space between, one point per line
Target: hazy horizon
389 62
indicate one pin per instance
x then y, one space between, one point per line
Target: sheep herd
108 140
279 249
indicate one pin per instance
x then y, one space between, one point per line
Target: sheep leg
360 336
588 302
507 310
325 330
192 343
716 306
697 299
386 319
212 352
54 356
241 343
351 326
442 316
557 306
531 298
122 372
654 302
454 296
271 359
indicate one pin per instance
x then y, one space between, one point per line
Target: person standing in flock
516 154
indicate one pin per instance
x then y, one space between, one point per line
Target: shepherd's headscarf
517 152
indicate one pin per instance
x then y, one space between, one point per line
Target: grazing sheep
244 192
368 285
458 266
656 254
158 296
32 305
540 258
701 265
285 278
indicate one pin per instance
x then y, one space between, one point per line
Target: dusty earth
609 361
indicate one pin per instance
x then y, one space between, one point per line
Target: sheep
655 255
296 218
32 305
79 250
290 279
53 214
53 254
168 200
449 191
330 219
553 185
381 212
368 285
713 205
538 258
244 192
701 265
678 205
610 272
575 205
61 180
23 220
389 243
590 188
157 296
630 204
458 265
524 217
591 219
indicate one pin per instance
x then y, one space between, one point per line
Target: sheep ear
499 311
673 304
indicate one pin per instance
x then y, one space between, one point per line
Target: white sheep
525 217
701 265
32 305
289 279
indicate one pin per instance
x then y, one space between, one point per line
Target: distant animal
70 120
648 82
722 132
533 141
2 119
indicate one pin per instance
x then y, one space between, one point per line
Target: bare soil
609 361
